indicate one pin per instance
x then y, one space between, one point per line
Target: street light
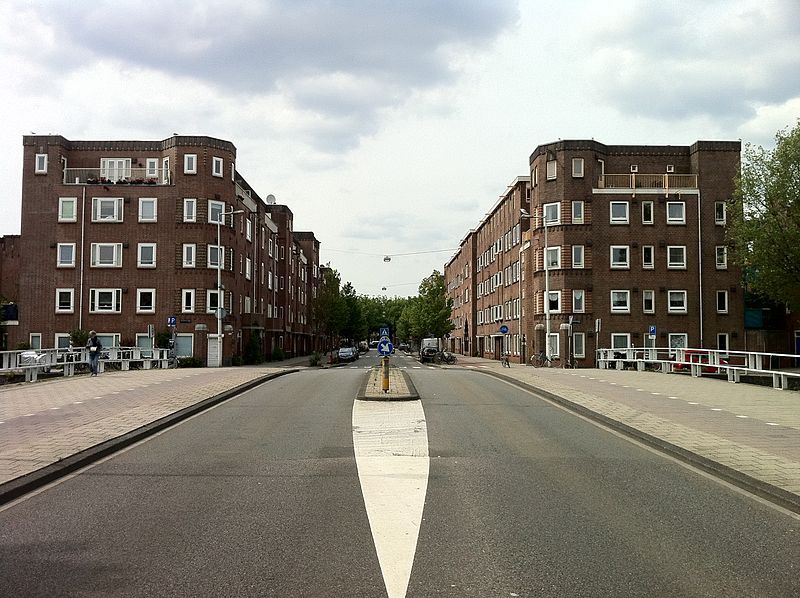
220 310
524 214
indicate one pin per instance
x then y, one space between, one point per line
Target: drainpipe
700 265
80 283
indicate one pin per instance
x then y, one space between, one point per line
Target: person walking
95 346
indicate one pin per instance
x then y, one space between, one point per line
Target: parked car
348 354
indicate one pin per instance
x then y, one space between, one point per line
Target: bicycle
542 360
504 361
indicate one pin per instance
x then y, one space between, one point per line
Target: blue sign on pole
384 331
652 331
172 321
385 348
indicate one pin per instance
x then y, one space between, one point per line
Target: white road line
716 409
390 439
742 417
692 403
772 424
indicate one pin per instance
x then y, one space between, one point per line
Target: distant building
117 235
636 252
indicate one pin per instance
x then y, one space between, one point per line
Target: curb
412 395
774 494
36 479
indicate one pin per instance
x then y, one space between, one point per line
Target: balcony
647 183
123 176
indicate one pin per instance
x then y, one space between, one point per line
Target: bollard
385 367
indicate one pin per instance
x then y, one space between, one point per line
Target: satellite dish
271 199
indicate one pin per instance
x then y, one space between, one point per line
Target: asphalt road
260 496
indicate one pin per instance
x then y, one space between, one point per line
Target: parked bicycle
445 357
542 360
504 361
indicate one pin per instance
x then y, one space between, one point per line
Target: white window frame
721 257
248 269
677 340
189 255
65 263
143 201
724 309
547 210
577 168
97 209
40 164
189 163
115 303
647 206
218 300
214 205
651 295
620 293
151 168
551 170
71 308
680 309
248 231
578 256
550 253
624 337
63 202
188 303
720 215
648 264
619 264
217 167
676 219
165 170
557 296
578 301
139 308
578 212
725 341
189 209
676 265
139 262
115 169
579 345
619 219
554 344
219 252
97 248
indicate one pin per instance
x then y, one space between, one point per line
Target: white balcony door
115 168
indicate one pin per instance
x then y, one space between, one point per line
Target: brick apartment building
635 244
117 235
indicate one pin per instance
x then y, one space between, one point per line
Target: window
553 344
65 301
553 257
678 340
67 209
146 255
151 169
40 166
115 169
722 257
217 167
579 345
190 164
720 213
106 209
105 300
552 213
248 231
722 342
619 212
676 302
577 212
554 302
187 301
165 171
35 340
216 209
66 255
145 301
649 301
620 256
620 302
248 269
535 175
106 255
676 212
722 302
577 256
189 255
214 299
578 301
620 340
577 168
148 209
189 209
647 212
552 169
648 257
676 257
216 253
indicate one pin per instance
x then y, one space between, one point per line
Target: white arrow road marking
390 439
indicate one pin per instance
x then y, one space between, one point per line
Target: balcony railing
122 176
648 181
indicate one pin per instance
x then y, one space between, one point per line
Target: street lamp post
220 257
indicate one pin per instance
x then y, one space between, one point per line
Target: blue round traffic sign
504 329
385 348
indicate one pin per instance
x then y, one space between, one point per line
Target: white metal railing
64 361
635 180
129 176
781 367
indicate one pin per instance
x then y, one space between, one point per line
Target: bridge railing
782 368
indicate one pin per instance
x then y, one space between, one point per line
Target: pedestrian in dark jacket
95 346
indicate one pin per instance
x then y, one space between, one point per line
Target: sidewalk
748 435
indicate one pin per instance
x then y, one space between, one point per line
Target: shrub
190 362
278 354
314 359
237 360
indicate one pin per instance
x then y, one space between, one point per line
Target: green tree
329 310
428 314
355 327
764 218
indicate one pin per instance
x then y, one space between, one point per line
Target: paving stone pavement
745 433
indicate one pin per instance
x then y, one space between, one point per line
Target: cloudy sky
392 127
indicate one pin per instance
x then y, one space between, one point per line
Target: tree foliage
428 314
328 309
764 219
